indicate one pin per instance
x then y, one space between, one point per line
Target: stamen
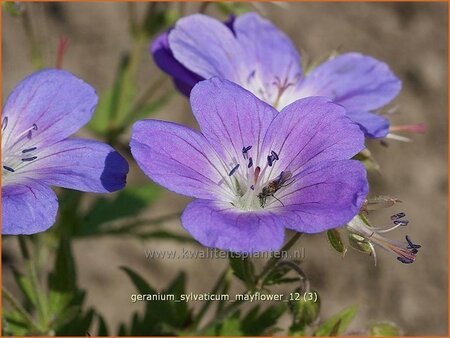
251 76
250 162
245 151
405 260
28 150
236 167
274 155
4 123
398 216
8 168
402 223
270 160
411 245
29 159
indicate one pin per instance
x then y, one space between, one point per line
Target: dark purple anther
411 245
28 150
8 168
233 170
274 155
250 162
245 151
405 260
4 123
402 223
398 216
29 159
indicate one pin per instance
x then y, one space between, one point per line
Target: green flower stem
30 265
220 284
16 305
274 260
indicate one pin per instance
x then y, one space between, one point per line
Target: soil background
410 37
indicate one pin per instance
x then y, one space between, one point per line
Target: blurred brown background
410 37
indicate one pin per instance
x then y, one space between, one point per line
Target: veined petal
178 158
207 47
80 164
220 225
373 125
27 208
310 131
268 50
231 118
56 102
184 79
356 81
323 196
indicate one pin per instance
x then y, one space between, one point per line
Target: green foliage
243 269
304 312
233 8
161 317
384 329
337 324
335 240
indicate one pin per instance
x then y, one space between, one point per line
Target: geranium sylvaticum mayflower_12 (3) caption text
255 171
39 116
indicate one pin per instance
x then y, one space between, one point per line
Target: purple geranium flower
259 57
255 171
39 115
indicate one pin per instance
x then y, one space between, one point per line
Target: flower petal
177 158
207 47
56 101
27 208
310 131
268 50
373 125
220 225
80 164
323 196
230 118
356 81
184 79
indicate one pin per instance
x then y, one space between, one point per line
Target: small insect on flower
273 186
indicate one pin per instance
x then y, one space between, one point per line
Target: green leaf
255 324
236 8
335 240
156 18
62 280
366 158
26 287
102 327
128 202
13 8
231 326
243 269
384 329
305 312
337 324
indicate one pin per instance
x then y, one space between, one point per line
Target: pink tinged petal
206 47
55 101
323 196
231 118
220 225
177 158
27 208
310 131
356 81
268 50
80 164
